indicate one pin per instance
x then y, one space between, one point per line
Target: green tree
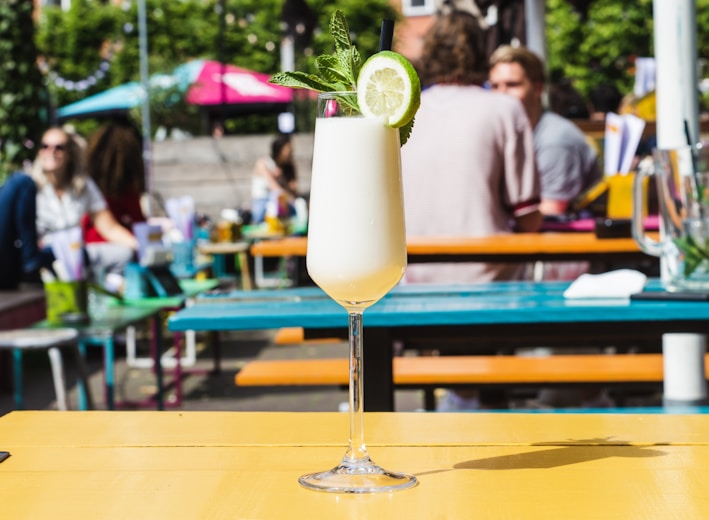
21 103
75 43
601 48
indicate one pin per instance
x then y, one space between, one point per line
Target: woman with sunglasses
65 193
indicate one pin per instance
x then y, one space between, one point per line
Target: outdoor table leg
156 343
216 351
178 369
378 369
17 379
109 357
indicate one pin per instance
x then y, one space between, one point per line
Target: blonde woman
66 195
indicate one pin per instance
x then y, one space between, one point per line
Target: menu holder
150 281
620 196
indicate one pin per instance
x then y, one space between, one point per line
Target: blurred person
604 98
567 164
21 257
568 102
65 193
274 177
114 161
468 168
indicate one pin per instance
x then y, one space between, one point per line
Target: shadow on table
562 453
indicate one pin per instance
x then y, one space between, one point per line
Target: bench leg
17 378
55 359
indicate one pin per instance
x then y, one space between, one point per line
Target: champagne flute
356 254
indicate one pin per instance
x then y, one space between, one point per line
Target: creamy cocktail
356 237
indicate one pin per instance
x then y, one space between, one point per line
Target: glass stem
357 452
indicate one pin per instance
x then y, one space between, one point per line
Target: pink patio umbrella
213 84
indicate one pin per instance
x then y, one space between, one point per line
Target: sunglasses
57 147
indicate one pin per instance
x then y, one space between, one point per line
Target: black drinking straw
387 35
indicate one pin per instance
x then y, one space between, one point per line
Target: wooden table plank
509 247
215 429
580 466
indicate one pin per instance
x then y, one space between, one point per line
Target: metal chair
50 340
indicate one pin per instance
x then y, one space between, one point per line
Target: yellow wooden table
219 249
196 465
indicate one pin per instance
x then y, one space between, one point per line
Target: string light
81 85
85 83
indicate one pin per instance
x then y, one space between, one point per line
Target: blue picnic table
452 318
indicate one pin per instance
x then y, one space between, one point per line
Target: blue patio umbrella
116 100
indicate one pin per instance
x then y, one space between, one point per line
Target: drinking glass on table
356 254
682 186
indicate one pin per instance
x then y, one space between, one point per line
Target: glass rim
337 94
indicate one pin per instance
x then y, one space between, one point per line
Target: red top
125 208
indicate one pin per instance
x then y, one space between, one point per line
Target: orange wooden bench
296 336
449 371
513 247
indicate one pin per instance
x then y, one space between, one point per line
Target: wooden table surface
497 248
221 248
245 465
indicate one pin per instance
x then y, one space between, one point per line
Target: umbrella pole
145 108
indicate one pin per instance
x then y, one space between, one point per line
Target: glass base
357 478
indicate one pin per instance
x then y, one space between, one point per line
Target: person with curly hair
468 168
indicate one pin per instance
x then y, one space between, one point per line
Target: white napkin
613 284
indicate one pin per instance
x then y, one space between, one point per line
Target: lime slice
389 87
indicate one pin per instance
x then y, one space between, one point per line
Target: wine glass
356 254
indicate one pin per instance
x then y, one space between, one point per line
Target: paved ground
202 391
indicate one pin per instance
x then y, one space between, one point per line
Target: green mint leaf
349 61
350 102
340 31
690 265
296 79
331 70
694 253
338 72
405 132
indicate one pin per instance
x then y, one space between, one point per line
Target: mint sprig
337 72
695 253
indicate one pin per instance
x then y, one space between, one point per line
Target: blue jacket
19 252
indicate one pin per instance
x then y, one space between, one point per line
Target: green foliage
602 48
74 42
22 114
597 50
